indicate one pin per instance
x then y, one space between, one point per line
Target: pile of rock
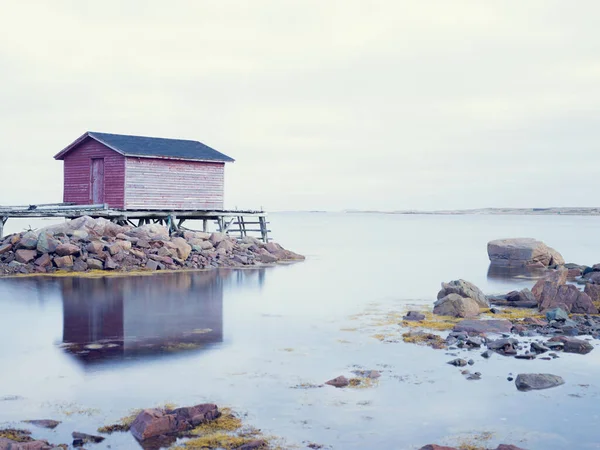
98 244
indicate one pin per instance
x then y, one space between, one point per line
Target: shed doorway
97 181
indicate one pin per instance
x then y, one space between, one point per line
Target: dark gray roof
153 147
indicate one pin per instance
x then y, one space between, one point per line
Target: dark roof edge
90 134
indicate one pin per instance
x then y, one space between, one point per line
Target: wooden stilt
263 229
205 225
3 220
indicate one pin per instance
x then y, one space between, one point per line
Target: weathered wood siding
172 184
77 174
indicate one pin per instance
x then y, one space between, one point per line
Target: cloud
324 105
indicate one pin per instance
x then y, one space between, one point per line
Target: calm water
245 338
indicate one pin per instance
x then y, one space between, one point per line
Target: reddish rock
44 261
566 297
119 246
8 444
5 248
182 247
95 247
267 258
192 416
63 261
67 249
574 273
593 290
535 321
153 422
24 256
338 382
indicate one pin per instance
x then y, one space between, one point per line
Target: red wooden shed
143 173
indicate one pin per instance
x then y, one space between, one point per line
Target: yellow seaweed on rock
432 322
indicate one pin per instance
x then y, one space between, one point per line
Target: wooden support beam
264 232
3 220
205 225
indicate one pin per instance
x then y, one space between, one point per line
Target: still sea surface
246 338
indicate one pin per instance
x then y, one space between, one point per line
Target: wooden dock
238 223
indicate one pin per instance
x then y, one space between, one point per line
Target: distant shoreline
570 211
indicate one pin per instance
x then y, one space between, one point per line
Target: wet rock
522 296
414 316
9 444
474 341
474 376
538 348
508 447
555 345
556 314
456 306
25 256
522 252
507 346
470 362
535 321
86 438
484 326
525 356
44 423
531 381
464 289
192 416
487 354
573 345
338 382
152 422
458 362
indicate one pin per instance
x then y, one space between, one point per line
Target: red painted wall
77 174
172 184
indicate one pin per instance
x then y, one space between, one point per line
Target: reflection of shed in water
143 315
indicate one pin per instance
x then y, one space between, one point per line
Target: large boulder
84 227
464 289
149 232
574 345
531 381
153 422
456 306
522 252
566 297
593 290
182 247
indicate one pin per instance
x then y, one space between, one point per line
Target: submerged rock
338 382
44 423
414 316
484 326
573 345
535 381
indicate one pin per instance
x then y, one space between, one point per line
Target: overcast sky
325 105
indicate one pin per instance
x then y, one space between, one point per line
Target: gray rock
556 314
338 382
521 252
484 326
458 362
538 348
573 345
464 289
531 381
456 306
414 316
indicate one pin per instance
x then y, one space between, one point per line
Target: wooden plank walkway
233 222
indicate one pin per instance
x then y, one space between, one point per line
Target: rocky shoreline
86 244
